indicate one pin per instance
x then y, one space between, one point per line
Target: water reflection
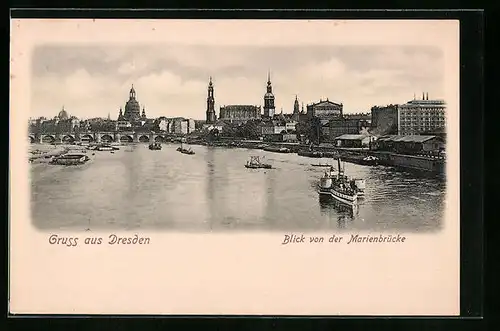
213 191
333 209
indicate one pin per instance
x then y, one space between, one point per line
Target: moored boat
154 146
255 163
105 148
369 161
187 151
277 149
310 153
321 165
70 159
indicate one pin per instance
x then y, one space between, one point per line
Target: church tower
210 103
269 108
296 110
120 115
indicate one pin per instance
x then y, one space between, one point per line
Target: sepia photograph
211 138
257 141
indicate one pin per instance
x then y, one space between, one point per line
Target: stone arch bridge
98 137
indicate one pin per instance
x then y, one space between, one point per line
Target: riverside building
420 117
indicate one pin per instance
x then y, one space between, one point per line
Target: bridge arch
144 139
159 139
68 139
107 138
87 137
48 139
126 139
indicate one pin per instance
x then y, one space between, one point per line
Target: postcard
234 167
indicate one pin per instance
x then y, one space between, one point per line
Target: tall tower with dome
210 114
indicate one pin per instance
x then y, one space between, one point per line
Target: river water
135 188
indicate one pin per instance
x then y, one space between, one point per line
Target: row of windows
422 128
427 126
421 108
422 115
422 120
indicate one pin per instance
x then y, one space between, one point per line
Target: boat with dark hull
70 159
277 149
104 148
321 165
155 146
183 150
369 161
310 153
255 163
338 186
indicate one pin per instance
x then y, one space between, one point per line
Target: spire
296 105
414 96
210 83
269 86
423 96
427 96
120 115
132 92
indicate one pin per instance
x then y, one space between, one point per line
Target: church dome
132 107
63 115
268 95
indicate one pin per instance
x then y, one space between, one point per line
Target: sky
171 80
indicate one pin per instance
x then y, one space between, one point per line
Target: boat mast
341 171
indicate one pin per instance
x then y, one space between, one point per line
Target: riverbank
45 153
422 163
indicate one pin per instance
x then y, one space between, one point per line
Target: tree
250 130
314 130
229 130
212 135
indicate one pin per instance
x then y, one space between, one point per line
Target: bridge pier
36 138
95 136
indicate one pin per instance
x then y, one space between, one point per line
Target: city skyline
172 81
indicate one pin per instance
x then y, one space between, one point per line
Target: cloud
331 70
172 80
127 68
